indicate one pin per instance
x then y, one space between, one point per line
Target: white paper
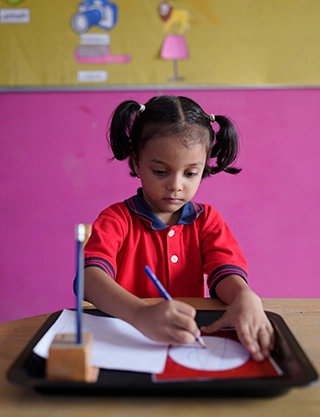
220 354
116 344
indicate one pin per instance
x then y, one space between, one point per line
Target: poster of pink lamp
174 46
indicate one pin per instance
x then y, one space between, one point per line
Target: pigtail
132 125
226 146
120 129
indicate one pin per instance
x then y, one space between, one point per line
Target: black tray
28 370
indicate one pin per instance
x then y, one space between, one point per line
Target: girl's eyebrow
158 161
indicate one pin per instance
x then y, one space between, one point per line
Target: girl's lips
173 200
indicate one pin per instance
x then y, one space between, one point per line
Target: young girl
171 145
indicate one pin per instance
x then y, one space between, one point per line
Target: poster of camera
150 43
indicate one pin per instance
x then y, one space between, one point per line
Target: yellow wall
231 42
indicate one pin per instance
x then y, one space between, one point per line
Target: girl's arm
169 321
246 315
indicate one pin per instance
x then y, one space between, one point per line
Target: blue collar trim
190 212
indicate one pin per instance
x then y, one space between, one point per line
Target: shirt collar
190 212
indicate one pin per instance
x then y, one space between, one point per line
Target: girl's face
170 174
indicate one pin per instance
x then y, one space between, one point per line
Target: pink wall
54 174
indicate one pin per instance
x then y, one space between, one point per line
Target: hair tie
142 108
212 118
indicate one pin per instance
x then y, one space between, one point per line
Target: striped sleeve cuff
223 272
100 263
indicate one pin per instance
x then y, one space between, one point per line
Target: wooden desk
301 315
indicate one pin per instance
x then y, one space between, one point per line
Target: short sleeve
107 237
221 252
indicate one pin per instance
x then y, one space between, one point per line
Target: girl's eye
158 171
191 174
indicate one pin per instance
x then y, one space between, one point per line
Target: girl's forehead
191 137
170 149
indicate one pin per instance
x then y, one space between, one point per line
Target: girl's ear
135 163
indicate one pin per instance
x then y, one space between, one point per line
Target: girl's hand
253 327
168 321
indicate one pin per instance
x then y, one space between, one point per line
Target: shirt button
174 259
171 233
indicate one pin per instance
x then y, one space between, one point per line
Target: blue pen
79 235
165 294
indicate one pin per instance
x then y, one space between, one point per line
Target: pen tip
201 342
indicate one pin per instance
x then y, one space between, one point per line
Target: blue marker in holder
80 236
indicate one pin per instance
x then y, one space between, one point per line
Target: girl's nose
174 183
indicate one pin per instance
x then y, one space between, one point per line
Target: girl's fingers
182 327
185 308
266 340
180 336
259 342
179 327
216 325
185 323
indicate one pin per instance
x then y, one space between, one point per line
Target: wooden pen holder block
71 361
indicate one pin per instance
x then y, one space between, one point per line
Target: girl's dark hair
131 128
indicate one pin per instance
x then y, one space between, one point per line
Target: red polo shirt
127 236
